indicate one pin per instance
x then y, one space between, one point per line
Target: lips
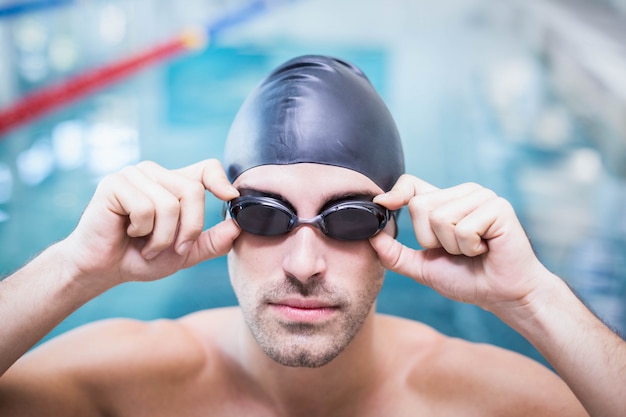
304 310
304 303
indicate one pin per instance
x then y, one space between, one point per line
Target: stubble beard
305 344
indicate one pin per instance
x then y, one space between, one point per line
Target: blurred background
525 97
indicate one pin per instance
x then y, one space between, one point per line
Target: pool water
471 101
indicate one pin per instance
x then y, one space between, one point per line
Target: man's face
304 295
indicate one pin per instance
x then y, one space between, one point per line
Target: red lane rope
43 101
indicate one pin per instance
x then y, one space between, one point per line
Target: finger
213 177
125 199
403 190
214 242
166 209
397 257
447 221
190 195
435 213
481 226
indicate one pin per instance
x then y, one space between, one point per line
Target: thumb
397 257
214 242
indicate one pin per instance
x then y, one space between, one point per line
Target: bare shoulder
122 345
214 329
86 369
479 379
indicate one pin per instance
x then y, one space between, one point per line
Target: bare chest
229 401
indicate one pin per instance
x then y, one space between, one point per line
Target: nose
305 257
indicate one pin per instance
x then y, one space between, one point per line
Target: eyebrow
327 200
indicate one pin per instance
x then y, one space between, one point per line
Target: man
307 249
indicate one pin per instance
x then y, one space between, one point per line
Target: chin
303 359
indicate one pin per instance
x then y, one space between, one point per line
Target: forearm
589 357
37 298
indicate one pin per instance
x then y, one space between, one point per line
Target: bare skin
208 364
145 223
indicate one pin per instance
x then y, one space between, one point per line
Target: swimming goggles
345 220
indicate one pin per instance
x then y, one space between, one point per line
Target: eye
264 220
352 223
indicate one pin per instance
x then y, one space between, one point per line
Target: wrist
540 309
76 282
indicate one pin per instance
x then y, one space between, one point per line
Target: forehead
307 181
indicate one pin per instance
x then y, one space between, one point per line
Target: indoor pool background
483 91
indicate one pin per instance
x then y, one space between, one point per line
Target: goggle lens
260 219
348 220
351 223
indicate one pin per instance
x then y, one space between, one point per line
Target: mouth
302 310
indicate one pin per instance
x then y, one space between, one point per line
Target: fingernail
382 197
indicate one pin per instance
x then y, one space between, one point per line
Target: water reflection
31 41
36 163
69 142
6 183
111 147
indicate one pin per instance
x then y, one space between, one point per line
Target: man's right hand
146 222
142 224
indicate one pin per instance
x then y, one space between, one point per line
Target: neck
318 391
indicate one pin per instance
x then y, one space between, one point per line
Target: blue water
179 112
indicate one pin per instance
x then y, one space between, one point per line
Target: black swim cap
321 110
